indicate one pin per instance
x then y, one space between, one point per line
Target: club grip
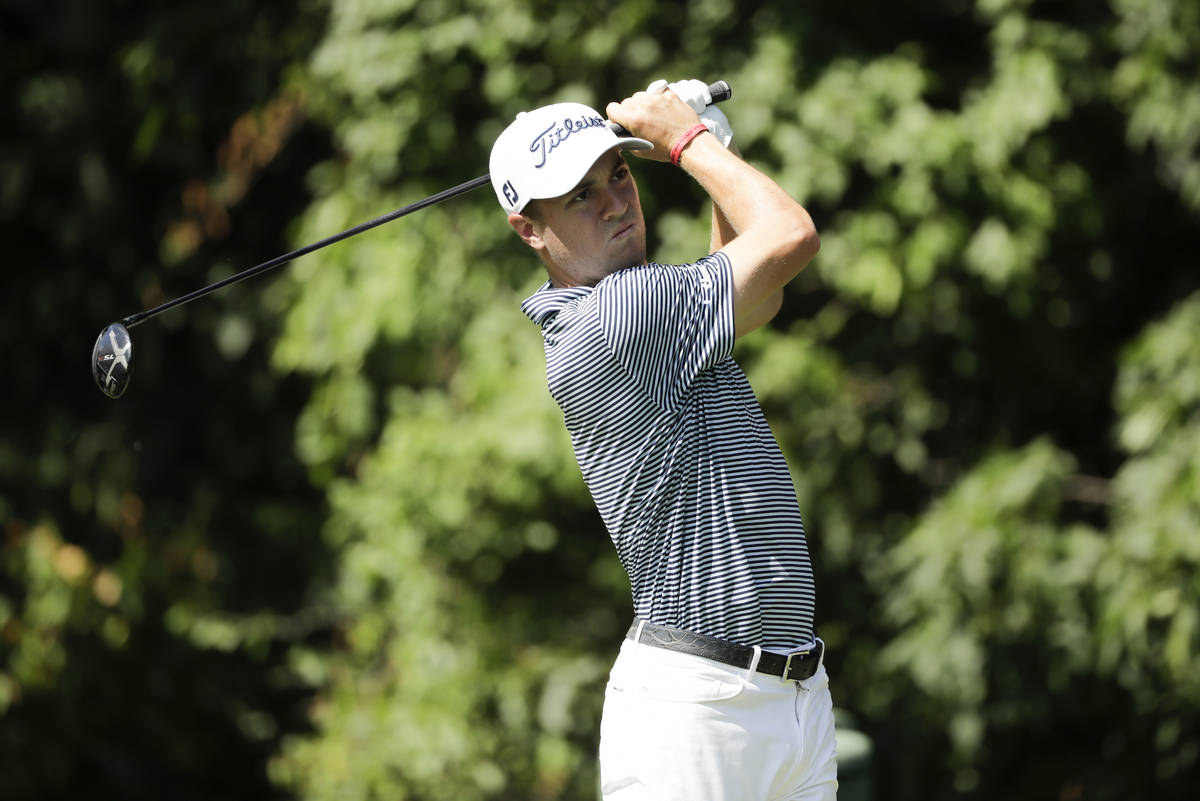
720 91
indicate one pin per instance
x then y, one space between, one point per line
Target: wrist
685 140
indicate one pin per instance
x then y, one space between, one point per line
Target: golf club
112 355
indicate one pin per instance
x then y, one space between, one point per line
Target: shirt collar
548 301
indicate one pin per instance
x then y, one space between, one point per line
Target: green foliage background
333 543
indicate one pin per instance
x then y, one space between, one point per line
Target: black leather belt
795 666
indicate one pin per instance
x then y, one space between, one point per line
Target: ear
528 230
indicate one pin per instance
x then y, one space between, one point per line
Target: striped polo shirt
676 454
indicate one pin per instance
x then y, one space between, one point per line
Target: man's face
592 231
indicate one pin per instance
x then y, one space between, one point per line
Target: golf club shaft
454 191
720 91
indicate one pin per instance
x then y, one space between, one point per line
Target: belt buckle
787 666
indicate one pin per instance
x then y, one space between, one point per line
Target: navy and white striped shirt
674 449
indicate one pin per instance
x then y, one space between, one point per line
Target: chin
633 256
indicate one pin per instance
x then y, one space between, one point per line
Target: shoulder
544 305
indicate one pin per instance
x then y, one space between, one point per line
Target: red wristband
682 142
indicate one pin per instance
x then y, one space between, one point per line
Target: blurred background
333 544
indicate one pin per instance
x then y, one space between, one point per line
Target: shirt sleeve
665 324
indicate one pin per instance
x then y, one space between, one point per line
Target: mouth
624 231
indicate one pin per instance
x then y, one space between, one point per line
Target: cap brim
633 143
565 182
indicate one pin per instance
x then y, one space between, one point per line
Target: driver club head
112 360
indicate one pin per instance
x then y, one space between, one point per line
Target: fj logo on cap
545 142
510 193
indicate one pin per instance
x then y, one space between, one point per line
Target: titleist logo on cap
545 142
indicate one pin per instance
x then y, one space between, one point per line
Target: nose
615 205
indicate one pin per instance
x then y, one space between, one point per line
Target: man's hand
661 117
695 93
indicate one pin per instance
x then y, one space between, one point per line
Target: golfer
719 692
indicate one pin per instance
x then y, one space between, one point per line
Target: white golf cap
547 151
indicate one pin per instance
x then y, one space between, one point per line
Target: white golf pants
678 727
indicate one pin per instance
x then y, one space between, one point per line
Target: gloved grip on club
720 91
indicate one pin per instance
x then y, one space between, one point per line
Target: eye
582 195
620 174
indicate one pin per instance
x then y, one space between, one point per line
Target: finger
657 87
613 110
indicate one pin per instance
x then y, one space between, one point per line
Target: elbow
807 240
812 242
802 244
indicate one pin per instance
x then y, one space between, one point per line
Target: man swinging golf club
719 692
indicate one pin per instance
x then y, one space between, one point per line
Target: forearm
722 231
742 196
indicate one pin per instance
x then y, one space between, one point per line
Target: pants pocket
661 683
627 788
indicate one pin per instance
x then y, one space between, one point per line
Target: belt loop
637 638
753 663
